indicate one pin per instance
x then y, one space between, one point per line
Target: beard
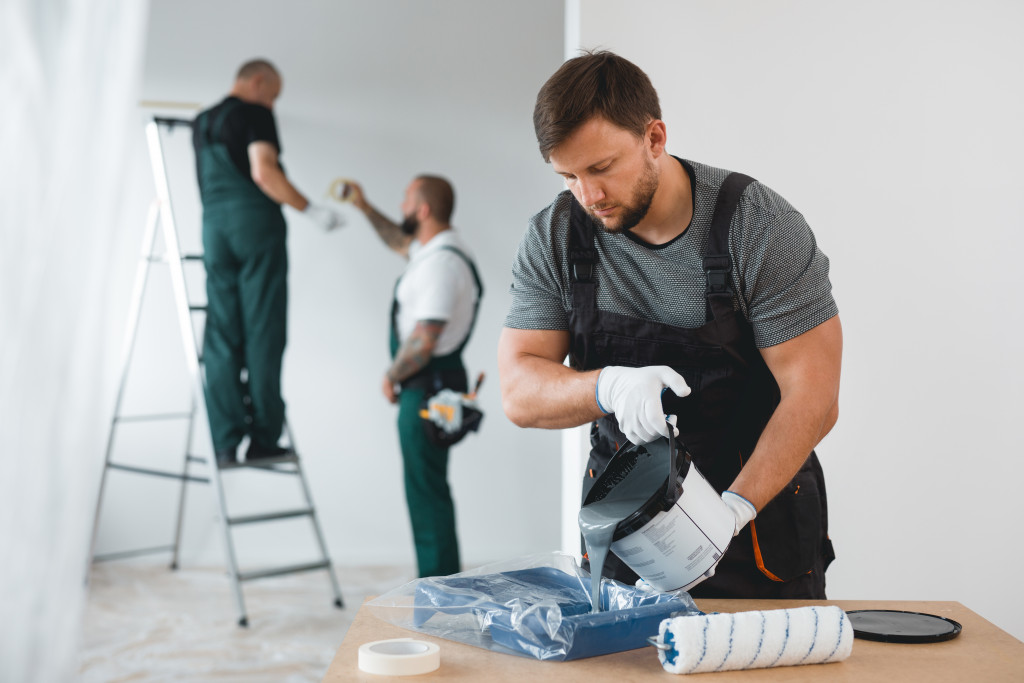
410 224
639 204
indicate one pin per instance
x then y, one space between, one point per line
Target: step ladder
161 219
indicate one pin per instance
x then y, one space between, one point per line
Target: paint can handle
673 468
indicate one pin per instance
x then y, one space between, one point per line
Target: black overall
784 552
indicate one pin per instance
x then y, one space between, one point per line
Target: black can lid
895 626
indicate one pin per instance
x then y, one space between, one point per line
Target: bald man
432 316
242 186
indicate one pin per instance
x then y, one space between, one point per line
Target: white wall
896 129
377 91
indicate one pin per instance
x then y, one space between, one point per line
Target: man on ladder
242 186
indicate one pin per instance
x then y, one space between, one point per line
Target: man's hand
324 217
388 231
634 396
353 192
742 509
388 389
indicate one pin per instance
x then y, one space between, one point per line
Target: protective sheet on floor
535 606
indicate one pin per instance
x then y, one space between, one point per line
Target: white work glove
634 395
742 509
324 217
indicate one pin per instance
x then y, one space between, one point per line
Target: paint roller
754 640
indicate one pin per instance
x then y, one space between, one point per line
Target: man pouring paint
432 315
656 274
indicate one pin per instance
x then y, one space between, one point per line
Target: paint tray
542 612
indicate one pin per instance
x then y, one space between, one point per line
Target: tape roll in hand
399 657
339 190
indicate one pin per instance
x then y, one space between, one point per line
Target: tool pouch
448 416
447 413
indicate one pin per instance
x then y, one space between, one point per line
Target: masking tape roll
336 190
399 657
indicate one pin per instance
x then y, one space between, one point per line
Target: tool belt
448 413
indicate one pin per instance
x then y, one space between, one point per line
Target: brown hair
256 66
438 195
598 83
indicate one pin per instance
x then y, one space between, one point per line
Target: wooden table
982 653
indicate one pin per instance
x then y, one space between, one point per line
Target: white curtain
69 80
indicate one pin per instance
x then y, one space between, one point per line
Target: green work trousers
426 491
247 299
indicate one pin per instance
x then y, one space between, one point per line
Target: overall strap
582 260
393 340
479 293
203 121
476 307
717 262
214 126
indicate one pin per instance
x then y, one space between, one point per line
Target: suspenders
716 261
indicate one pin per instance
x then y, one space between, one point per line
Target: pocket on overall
788 533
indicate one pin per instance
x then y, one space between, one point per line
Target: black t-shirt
244 124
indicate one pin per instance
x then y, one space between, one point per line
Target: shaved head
438 194
254 67
259 82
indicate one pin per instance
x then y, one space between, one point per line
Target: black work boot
226 456
258 452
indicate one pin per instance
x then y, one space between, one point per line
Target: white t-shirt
437 284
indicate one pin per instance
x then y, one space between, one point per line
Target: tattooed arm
387 230
413 355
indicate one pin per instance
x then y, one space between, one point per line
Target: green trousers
426 491
247 299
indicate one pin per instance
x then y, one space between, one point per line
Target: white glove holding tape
742 508
634 396
324 217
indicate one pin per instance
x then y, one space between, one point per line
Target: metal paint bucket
678 535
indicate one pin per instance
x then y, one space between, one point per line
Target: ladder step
131 553
193 307
191 257
269 516
156 473
264 463
152 416
294 569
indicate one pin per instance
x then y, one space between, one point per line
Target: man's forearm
537 390
388 231
545 394
273 183
416 351
807 370
788 439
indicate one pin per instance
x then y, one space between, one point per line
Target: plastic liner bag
536 606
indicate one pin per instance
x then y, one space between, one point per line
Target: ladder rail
127 350
315 520
184 487
173 251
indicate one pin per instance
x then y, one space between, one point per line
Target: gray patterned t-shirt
779 276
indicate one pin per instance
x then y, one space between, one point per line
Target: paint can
678 535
